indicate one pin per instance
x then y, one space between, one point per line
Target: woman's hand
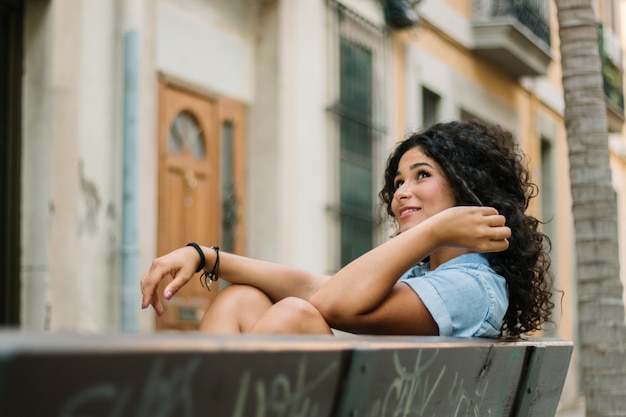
180 264
479 229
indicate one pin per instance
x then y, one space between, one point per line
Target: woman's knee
236 308
241 295
299 308
293 315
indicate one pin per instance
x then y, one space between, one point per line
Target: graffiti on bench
279 380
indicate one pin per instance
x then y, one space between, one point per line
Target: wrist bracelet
202 258
208 276
213 275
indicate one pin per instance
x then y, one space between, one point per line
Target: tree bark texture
602 333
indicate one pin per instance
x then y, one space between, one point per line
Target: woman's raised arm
366 283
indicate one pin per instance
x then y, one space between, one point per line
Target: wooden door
189 194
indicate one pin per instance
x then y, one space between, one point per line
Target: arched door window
186 133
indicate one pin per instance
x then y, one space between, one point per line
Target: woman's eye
422 174
397 184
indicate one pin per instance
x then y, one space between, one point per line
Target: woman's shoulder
465 296
469 260
472 272
471 264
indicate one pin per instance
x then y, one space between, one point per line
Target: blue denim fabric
464 295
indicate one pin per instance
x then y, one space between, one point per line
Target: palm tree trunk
600 307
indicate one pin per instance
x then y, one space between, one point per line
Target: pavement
578 411
571 413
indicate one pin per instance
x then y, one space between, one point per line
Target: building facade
133 127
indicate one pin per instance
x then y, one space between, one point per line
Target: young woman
453 269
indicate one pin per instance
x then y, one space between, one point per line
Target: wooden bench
188 375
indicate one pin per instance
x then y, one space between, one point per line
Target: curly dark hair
485 168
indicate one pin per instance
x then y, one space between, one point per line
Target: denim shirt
465 296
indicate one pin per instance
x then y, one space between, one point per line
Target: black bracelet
212 276
202 258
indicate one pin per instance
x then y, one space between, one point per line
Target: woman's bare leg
292 315
236 309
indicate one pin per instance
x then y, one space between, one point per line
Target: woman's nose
401 193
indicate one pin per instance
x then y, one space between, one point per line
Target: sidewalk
577 411
570 413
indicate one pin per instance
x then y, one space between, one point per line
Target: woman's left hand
479 229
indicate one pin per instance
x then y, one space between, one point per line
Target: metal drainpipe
130 238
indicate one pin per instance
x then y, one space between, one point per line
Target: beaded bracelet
213 275
208 276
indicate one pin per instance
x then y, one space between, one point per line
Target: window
185 133
355 151
358 79
431 103
548 190
229 200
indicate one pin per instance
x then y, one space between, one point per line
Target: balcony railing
533 14
513 34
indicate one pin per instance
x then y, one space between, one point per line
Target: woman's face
421 190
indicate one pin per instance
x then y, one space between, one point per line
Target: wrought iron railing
533 14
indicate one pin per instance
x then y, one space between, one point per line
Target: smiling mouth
408 211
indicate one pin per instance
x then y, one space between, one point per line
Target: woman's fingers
177 283
495 220
481 229
149 294
147 291
156 304
176 264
